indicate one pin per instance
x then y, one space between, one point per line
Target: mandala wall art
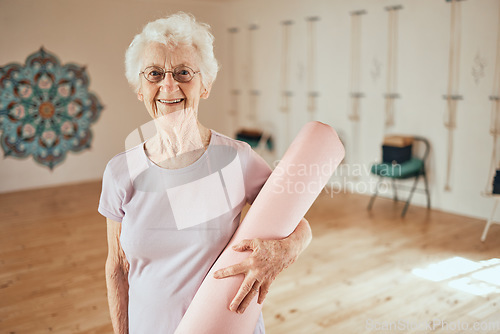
46 109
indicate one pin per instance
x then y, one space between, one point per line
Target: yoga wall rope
254 93
233 112
392 65
495 116
452 95
286 93
253 131
311 66
355 79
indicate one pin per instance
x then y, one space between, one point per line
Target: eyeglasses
156 74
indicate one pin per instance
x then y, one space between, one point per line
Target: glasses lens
154 74
183 74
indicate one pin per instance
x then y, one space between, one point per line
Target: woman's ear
205 92
140 96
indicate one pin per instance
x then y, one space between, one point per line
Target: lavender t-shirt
176 222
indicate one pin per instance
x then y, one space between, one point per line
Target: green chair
413 168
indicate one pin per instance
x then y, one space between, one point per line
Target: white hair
180 28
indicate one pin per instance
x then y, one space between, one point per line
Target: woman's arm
117 279
268 259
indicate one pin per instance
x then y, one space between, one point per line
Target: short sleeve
110 203
257 172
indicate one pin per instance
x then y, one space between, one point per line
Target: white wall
424 30
96 34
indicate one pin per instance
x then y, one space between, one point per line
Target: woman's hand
268 259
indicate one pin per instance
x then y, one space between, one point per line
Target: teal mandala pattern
46 109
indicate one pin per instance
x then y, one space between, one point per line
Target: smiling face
168 95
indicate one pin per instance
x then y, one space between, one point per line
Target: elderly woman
173 202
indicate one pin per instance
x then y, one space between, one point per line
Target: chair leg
374 195
427 191
410 196
394 190
490 221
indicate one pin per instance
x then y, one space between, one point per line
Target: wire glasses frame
181 73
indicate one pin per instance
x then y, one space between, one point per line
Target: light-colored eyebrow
156 65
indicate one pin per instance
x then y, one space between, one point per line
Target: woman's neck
180 140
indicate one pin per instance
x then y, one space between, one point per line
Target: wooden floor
355 277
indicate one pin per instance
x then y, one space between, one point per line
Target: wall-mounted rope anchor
312 18
392 96
452 96
357 95
395 7
358 12
355 73
285 67
233 111
234 96
253 91
494 122
312 65
392 64
286 93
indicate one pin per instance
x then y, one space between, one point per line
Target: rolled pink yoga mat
285 198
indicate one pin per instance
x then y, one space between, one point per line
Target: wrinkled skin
268 259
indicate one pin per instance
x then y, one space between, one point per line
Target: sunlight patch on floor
478 278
